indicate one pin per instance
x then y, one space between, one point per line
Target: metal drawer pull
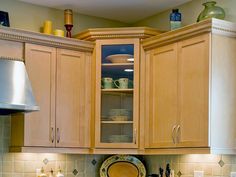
135 134
173 136
52 134
177 133
58 135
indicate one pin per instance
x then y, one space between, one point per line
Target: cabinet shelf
118 90
117 64
116 122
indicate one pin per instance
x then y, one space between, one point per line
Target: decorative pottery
211 11
122 166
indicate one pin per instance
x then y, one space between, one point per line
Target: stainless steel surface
15 90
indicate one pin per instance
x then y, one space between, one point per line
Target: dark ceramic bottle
175 19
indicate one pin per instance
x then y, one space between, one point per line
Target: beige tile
198 158
51 165
80 166
61 157
18 175
0 168
186 168
233 167
226 169
227 159
198 166
233 159
70 166
39 164
207 168
19 166
175 166
25 156
7 175
49 156
29 175
216 170
61 164
186 175
81 175
8 157
29 166
72 157
6 131
7 167
70 175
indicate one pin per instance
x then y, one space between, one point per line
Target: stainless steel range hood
15 90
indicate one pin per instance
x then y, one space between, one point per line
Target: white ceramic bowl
120 58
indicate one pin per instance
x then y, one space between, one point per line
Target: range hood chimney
15 90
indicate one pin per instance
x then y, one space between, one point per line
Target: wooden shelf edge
50 150
117 64
116 122
117 90
147 151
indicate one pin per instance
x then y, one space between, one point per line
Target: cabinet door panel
193 91
72 101
162 96
40 64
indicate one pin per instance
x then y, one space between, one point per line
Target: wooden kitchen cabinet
177 94
73 99
162 95
61 81
61 84
193 91
39 126
116 120
188 104
117 109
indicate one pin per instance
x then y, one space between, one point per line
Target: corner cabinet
116 95
117 118
61 81
190 83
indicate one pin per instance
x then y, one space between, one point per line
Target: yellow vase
47 28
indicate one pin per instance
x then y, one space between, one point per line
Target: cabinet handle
135 135
58 135
52 134
173 136
177 133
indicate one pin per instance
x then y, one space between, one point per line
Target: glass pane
117 93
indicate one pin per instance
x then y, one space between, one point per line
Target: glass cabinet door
117 118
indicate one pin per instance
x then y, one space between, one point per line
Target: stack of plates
119 138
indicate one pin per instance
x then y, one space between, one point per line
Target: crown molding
122 32
214 26
44 39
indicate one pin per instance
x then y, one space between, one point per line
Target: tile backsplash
72 165
184 165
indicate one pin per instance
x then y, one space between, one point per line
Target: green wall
190 12
31 17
